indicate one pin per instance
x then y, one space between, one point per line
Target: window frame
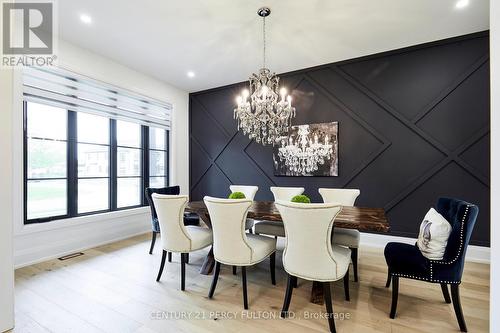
25 173
143 163
166 150
72 169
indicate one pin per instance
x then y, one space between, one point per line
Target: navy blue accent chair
189 218
406 261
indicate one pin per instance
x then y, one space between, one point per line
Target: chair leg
388 282
163 256
346 286
395 291
214 281
244 282
276 237
272 261
153 241
295 282
354 258
446 294
455 296
329 307
183 270
170 257
250 231
187 258
234 270
288 295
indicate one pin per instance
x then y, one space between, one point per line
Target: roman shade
65 89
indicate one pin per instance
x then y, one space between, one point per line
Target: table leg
317 293
208 263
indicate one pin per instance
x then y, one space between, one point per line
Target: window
79 163
93 147
129 150
158 157
89 147
46 171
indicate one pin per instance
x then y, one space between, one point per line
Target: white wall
495 164
33 243
6 266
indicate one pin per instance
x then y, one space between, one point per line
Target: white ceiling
221 40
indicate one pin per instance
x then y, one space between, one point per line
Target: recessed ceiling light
191 74
462 4
86 18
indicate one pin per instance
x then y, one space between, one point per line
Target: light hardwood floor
112 288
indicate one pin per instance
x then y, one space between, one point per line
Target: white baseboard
479 254
35 247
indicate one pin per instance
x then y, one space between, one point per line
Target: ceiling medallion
264 111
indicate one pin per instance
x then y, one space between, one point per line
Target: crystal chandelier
265 117
305 154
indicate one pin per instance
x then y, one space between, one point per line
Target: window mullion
113 170
25 160
72 167
167 158
145 163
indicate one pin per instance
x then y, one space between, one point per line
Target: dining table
365 219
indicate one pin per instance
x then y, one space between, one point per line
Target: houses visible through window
93 155
78 163
46 184
129 150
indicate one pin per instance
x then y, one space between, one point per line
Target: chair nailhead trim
461 242
424 279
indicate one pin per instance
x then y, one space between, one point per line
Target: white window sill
74 221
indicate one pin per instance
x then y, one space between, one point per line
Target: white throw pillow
433 236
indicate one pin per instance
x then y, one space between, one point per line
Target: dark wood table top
361 218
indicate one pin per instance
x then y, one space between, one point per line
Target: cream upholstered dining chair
275 228
343 236
309 253
232 246
175 236
249 192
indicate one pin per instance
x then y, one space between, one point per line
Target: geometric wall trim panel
414 125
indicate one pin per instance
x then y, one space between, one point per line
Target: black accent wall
414 125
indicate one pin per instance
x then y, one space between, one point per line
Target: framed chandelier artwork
308 150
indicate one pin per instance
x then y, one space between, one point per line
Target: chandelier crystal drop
264 111
305 154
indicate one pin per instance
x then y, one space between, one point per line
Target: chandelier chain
264 44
